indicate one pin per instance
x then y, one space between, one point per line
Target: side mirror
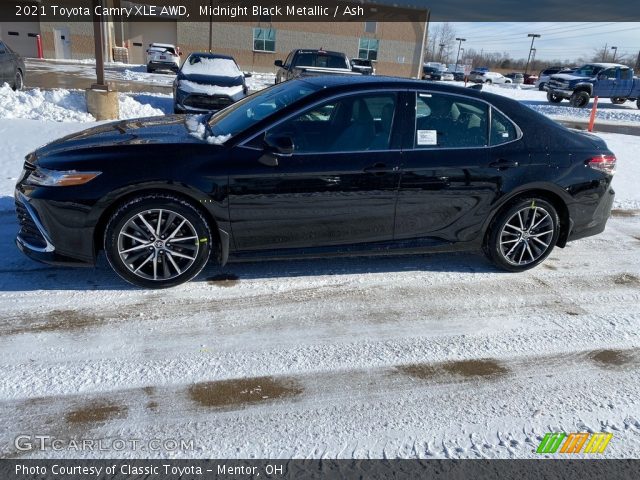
247 75
278 63
276 146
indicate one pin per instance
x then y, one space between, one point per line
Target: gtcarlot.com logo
574 442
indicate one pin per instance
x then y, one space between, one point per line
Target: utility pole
533 38
425 35
460 40
615 50
533 59
440 55
604 53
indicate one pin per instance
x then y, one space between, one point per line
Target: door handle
502 164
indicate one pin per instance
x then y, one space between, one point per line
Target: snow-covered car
208 82
163 56
488 77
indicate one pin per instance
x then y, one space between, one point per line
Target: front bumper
560 92
187 102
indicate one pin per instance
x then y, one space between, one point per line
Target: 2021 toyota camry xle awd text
318 166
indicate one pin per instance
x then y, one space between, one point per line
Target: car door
624 82
605 85
453 167
337 187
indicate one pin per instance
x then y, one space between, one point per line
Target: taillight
603 163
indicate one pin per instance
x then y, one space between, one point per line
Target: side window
448 121
2 49
502 130
349 124
287 62
609 73
625 74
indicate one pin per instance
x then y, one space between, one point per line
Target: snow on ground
61 105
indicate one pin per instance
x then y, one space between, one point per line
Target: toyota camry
315 167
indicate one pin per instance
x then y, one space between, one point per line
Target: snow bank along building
395 46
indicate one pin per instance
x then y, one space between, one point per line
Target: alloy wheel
527 235
158 244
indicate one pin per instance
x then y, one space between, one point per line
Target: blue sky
566 40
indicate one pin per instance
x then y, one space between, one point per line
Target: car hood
568 76
153 130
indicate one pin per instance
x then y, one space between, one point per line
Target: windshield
219 67
250 110
588 70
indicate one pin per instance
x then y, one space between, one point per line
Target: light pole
615 50
533 59
440 55
460 40
533 37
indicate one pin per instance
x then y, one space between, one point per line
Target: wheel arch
544 193
583 87
118 201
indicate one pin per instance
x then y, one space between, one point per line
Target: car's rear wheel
553 98
523 234
488 82
157 241
579 99
18 83
618 100
541 86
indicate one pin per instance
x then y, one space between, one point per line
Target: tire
512 244
553 98
149 69
488 82
618 100
507 81
18 83
579 99
638 103
541 86
155 262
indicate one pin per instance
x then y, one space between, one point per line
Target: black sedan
316 166
11 67
208 82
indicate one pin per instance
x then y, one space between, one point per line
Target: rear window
322 60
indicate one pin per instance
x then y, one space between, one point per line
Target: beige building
395 46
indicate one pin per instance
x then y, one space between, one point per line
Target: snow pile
219 67
196 127
194 87
60 105
258 81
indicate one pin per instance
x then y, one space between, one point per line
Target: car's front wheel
553 98
157 241
18 83
618 100
579 99
523 234
541 86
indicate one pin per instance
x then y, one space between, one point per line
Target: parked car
313 63
448 76
458 76
365 67
432 73
12 69
545 75
604 80
516 77
208 82
530 79
488 77
313 167
163 56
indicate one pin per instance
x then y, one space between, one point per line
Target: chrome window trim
49 247
519 133
314 104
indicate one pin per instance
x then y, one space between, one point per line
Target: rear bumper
591 220
163 65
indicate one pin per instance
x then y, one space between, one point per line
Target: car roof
311 50
605 65
162 45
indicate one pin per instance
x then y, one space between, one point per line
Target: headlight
55 178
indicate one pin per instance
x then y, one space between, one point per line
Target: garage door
141 34
21 37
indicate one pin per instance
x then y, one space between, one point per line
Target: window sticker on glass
427 137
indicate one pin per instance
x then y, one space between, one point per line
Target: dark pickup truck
603 80
312 63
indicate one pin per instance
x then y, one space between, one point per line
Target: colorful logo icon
573 442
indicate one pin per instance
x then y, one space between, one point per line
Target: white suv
163 56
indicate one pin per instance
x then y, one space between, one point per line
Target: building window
368 49
370 27
15 34
264 39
